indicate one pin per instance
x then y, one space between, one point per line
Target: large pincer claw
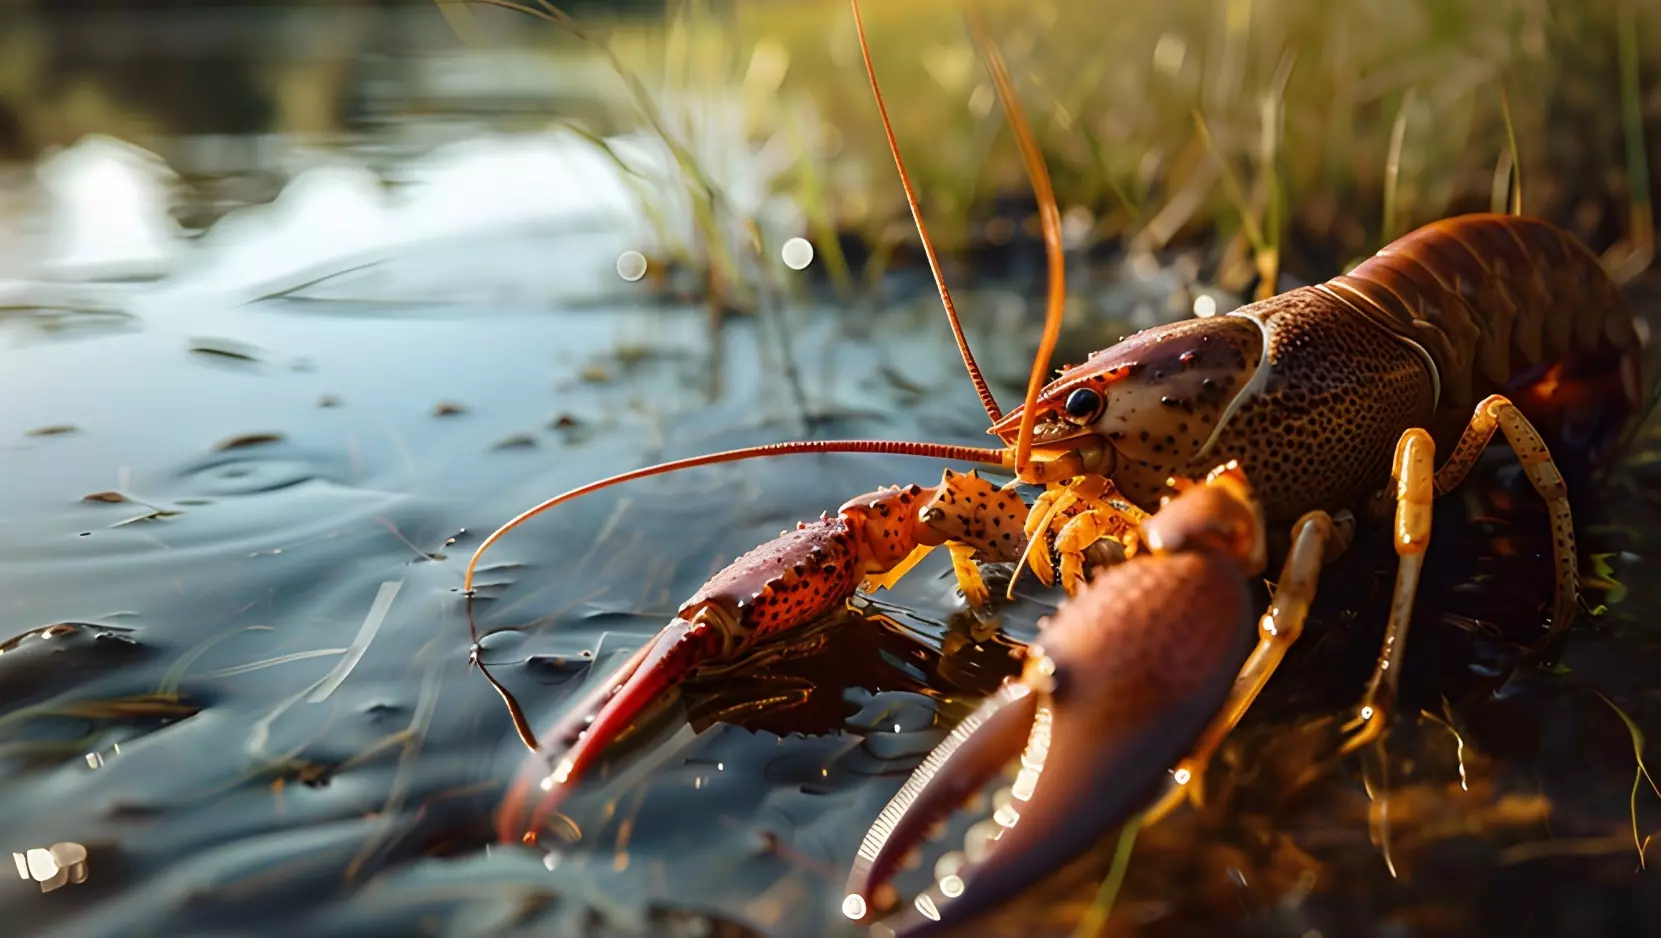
1114 698
793 579
566 753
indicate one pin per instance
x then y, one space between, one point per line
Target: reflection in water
109 212
235 660
341 230
45 659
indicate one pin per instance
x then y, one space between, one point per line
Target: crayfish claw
1125 680
1072 572
590 727
975 751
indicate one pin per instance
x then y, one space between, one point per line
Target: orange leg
1415 487
968 575
1415 455
1498 413
1317 539
1085 529
1049 505
1101 518
963 566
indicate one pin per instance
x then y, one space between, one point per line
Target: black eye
1083 404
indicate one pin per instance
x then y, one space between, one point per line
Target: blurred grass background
1320 112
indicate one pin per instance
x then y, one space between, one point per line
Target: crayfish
1333 400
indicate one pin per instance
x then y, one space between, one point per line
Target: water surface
233 534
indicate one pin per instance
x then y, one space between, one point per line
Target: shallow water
239 675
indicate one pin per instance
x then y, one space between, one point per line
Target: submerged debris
226 349
247 440
48 659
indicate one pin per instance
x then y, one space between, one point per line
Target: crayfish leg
1498 413
1051 504
1092 514
1317 540
1083 530
968 575
894 575
1414 490
1416 484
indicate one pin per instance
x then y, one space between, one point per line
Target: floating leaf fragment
246 440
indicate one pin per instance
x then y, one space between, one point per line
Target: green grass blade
1516 157
1392 168
1637 160
1095 919
1236 192
1642 774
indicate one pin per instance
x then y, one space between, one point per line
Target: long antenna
995 457
986 398
1050 217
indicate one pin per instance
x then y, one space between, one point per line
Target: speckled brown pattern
1487 298
970 510
1338 394
792 579
1164 391
803 574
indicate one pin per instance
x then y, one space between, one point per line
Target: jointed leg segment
1416 485
968 575
1317 539
1498 413
1099 518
